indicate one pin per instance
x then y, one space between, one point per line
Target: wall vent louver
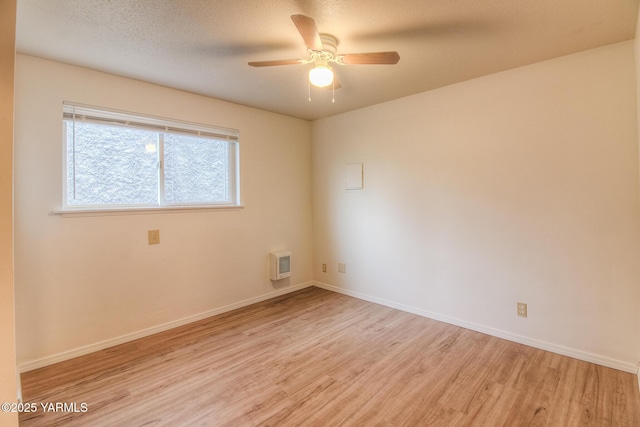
280 265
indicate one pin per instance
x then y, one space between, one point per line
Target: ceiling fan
322 49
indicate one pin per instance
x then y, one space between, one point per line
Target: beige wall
518 186
83 281
7 328
637 53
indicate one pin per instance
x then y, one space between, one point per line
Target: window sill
70 213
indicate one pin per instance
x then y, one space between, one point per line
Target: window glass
117 160
195 170
110 165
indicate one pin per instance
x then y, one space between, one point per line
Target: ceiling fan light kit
321 76
322 49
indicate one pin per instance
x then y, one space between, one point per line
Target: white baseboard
70 354
566 351
554 348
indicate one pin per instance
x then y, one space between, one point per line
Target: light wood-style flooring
319 358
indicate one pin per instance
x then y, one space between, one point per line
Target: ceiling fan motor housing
329 43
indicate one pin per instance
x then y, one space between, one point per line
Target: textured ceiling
203 46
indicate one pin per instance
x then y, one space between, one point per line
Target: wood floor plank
317 358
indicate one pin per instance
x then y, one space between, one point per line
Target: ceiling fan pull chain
309 90
333 90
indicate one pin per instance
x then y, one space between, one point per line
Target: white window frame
87 113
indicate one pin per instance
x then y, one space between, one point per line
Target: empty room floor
314 357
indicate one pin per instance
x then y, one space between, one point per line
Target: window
117 160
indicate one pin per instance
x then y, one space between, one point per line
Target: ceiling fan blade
307 28
276 62
371 58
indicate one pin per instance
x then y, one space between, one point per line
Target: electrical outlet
342 267
522 309
154 237
324 268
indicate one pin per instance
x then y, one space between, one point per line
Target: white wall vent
280 265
